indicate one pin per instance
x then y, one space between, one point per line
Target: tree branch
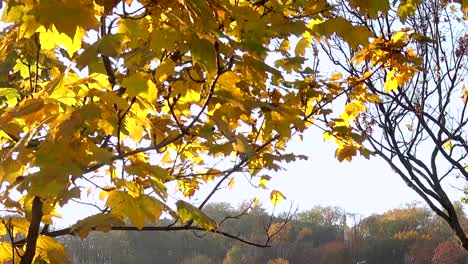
33 232
69 231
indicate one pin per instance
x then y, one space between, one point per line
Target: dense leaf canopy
111 102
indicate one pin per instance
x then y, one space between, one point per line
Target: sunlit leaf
115 104
448 144
276 197
140 85
255 202
301 46
98 222
189 212
407 8
9 96
51 250
262 183
231 183
391 84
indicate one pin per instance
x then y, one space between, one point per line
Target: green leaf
66 15
10 96
87 56
141 85
204 53
110 45
301 45
407 8
353 35
135 31
370 7
290 64
243 146
189 212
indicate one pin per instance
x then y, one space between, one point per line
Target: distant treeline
321 235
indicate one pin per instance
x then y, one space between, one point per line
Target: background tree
380 238
278 261
142 95
325 224
198 259
449 252
334 252
387 238
417 66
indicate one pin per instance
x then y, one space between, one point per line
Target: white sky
361 186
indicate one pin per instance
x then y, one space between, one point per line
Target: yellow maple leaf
276 197
346 152
391 83
231 183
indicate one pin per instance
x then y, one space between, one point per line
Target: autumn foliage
449 252
110 103
368 239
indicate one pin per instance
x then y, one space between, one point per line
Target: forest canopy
319 235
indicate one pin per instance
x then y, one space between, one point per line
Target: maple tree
110 103
416 67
